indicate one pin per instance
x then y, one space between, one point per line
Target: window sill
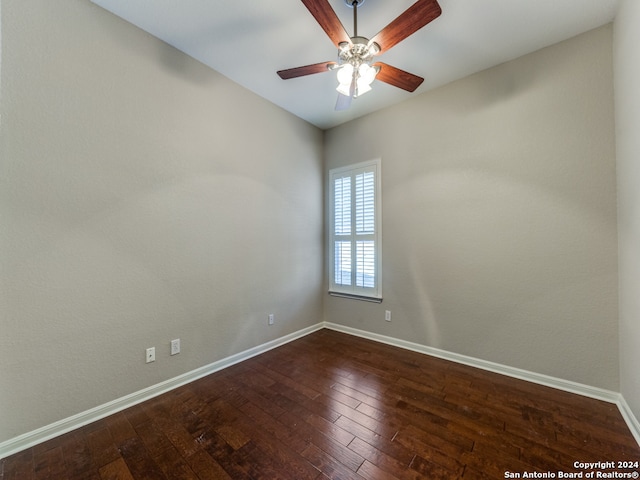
356 297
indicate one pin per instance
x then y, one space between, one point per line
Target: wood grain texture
397 77
305 70
407 23
328 20
330 405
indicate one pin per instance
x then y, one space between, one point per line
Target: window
354 246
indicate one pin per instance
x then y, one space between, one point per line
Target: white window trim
361 293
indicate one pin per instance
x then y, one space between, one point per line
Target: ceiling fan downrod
360 49
355 17
354 4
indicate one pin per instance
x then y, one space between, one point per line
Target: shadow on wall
168 58
483 257
164 256
207 40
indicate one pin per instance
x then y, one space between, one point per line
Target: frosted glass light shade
345 75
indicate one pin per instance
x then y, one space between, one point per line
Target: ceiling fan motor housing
359 50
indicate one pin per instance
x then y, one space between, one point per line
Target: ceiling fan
355 69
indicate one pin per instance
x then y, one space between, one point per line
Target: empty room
319 239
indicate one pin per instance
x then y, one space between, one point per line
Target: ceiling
249 41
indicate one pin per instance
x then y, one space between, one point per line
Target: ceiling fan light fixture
359 49
361 89
366 76
356 82
355 73
367 73
346 79
343 48
345 74
373 49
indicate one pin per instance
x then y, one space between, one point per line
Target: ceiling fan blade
409 22
328 20
398 78
306 70
343 102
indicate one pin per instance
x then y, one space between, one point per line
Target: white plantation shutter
365 264
355 230
365 203
342 198
342 263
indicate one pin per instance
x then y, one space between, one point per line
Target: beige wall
627 93
499 214
143 197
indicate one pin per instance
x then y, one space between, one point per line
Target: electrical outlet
175 346
271 319
151 354
387 315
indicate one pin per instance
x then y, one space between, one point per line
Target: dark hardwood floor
335 406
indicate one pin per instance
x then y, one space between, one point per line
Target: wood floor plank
433 470
265 422
102 447
139 460
330 466
311 393
153 438
222 454
175 466
77 457
120 428
116 470
397 465
369 470
206 467
334 406
283 455
18 466
49 464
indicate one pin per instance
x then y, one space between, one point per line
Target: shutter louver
365 225
365 264
365 203
342 202
342 266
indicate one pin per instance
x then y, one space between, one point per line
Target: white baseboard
630 418
538 378
63 426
